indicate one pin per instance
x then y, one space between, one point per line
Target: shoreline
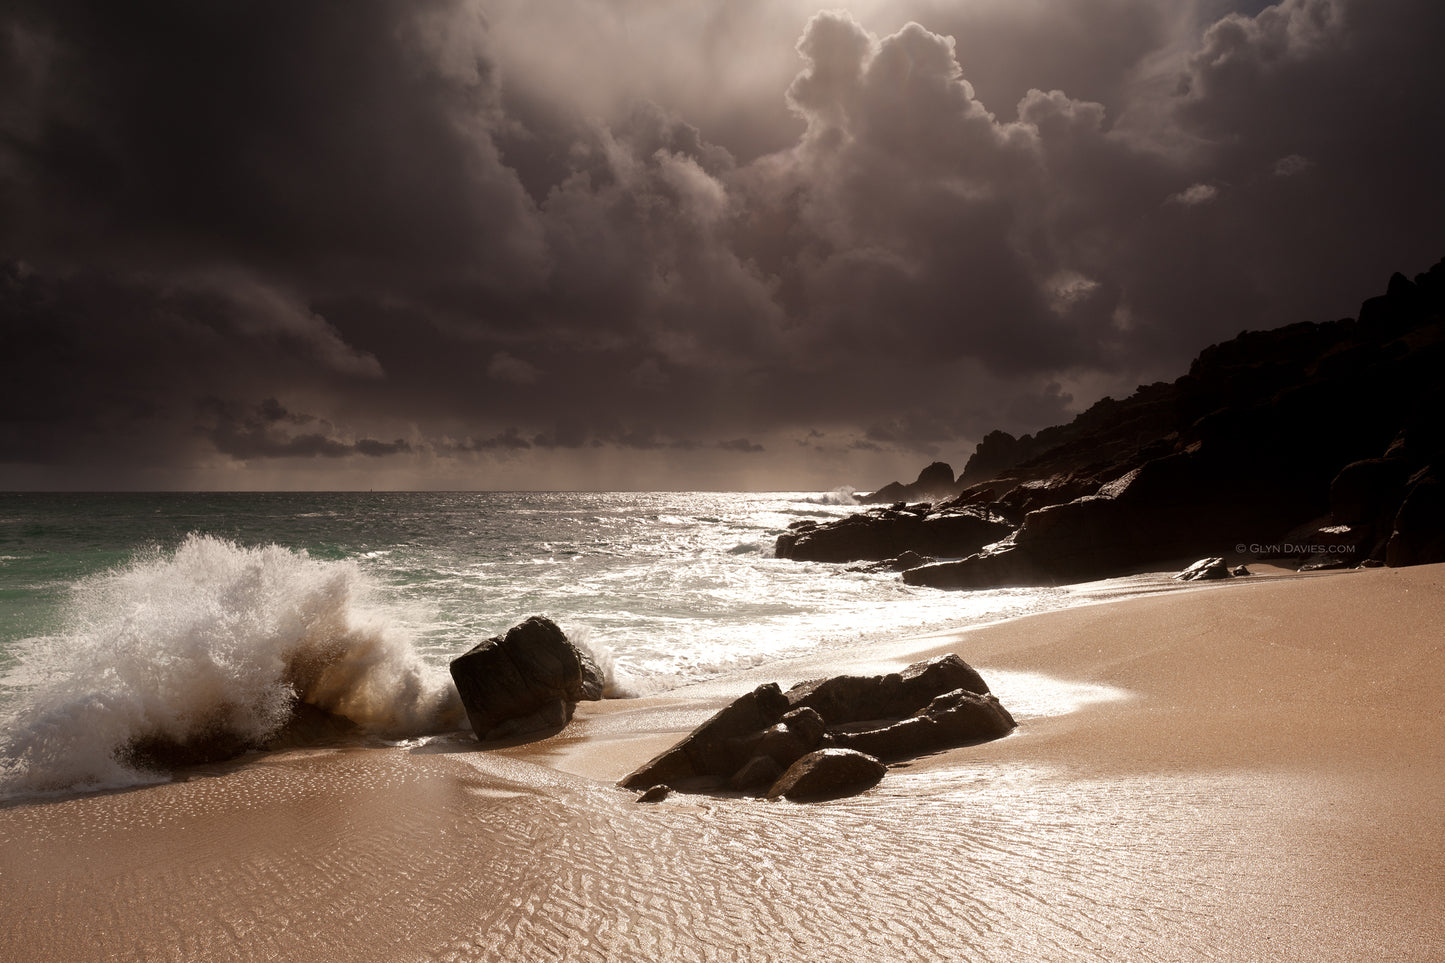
1249 770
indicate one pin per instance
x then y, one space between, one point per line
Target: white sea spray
212 640
843 495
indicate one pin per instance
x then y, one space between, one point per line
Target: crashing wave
205 651
844 495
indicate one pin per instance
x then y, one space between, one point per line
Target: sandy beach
1244 771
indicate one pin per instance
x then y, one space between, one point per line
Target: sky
668 244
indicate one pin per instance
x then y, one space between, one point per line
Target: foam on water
355 603
209 641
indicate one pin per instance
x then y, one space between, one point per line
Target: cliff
1321 442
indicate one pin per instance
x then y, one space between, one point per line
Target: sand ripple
379 855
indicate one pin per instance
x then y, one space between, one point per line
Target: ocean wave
752 546
843 495
209 647
602 655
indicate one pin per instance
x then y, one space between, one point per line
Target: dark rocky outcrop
952 719
995 454
720 746
1159 511
934 483
1017 502
846 699
882 533
528 680
1369 491
1418 536
751 744
1332 428
1322 544
828 774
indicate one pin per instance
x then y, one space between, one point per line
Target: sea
130 617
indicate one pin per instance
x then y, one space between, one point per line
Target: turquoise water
127 614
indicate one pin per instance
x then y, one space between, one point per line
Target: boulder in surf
526 681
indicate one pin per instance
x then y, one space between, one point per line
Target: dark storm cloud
270 431
511 439
741 445
97 368
1333 94
494 230
323 139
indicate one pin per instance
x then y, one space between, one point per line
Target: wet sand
1248 771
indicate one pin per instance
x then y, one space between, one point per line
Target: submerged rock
528 680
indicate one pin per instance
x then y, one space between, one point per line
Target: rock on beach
527 680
